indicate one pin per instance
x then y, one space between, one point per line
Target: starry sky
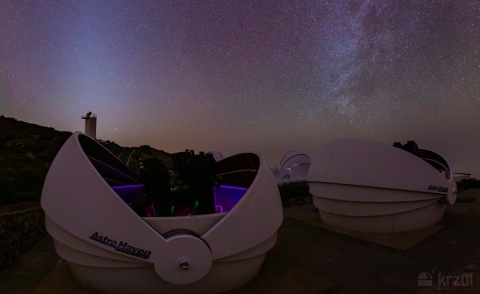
266 76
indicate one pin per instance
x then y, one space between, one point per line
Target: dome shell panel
369 163
293 158
364 185
104 240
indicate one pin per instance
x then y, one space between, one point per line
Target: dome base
376 210
222 277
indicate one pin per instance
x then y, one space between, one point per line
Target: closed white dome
364 185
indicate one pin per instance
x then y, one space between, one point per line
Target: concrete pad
61 280
278 275
401 241
42 271
456 211
29 269
275 276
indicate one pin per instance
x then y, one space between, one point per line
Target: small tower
90 125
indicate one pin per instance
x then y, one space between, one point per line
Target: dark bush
6 136
293 190
7 195
466 184
36 148
44 158
34 196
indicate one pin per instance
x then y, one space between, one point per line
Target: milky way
266 76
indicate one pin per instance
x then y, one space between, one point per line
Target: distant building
461 176
90 125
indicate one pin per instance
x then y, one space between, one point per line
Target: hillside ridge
27 150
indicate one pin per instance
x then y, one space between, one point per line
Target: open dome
89 199
363 185
293 167
294 158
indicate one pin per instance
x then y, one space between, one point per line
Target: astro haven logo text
121 246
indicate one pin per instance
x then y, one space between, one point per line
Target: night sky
266 76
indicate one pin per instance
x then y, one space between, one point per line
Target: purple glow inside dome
226 197
129 193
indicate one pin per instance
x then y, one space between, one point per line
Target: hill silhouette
27 150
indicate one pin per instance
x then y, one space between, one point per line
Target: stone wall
19 230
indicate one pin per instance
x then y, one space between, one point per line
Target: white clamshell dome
87 198
294 167
362 185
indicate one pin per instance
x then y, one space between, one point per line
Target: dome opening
200 185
